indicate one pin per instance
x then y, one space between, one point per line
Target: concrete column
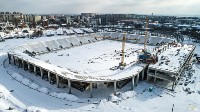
155 76
173 87
41 72
9 58
23 66
49 77
143 75
57 80
148 74
69 86
133 81
115 87
19 63
28 66
91 95
107 84
34 69
14 60
137 79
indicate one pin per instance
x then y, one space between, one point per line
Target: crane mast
123 47
146 34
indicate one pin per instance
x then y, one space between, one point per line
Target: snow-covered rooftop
173 58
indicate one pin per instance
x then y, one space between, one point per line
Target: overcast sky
164 7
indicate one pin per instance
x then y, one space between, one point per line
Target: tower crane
146 34
146 56
122 64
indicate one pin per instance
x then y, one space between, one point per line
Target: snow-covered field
96 59
21 91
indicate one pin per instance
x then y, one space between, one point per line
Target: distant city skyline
157 7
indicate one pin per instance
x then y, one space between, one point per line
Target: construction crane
146 57
122 64
146 34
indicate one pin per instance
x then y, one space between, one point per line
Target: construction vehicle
147 57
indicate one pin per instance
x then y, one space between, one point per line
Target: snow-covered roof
183 25
155 39
78 31
115 35
106 34
88 30
142 39
69 31
172 59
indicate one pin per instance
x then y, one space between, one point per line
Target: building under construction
85 62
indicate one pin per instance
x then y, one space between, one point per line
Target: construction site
112 59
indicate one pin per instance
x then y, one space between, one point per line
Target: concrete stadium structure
25 56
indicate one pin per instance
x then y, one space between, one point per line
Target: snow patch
26 81
64 96
3 91
44 90
127 94
34 86
113 98
35 109
17 76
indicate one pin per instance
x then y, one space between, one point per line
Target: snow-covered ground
20 92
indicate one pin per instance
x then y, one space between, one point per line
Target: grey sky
178 7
